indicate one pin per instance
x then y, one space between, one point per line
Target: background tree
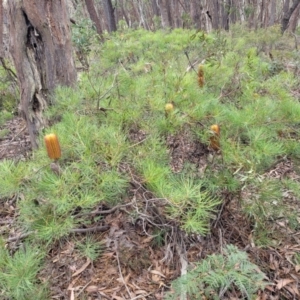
40 44
201 14
94 16
109 15
1 29
288 14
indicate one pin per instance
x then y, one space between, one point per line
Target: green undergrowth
214 276
113 127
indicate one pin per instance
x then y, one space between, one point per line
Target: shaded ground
14 140
137 261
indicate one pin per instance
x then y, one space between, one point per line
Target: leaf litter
131 265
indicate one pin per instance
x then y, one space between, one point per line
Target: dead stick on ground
74 230
120 271
19 237
80 292
103 212
90 229
184 265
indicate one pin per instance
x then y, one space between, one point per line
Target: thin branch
142 141
80 292
120 271
74 230
90 229
19 237
191 65
112 86
103 212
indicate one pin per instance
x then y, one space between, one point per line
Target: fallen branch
103 212
90 229
19 237
120 271
74 230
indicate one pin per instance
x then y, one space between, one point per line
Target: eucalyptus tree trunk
195 8
40 45
143 20
226 12
124 13
1 29
94 16
155 8
176 14
214 13
294 19
241 7
287 15
272 18
109 15
252 21
165 13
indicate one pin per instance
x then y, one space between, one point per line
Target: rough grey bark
1 29
226 13
155 8
109 15
286 6
176 14
215 14
288 14
240 4
90 5
252 21
124 13
294 19
195 8
40 45
143 20
272 13
165 13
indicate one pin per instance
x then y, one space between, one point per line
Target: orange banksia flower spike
169 108
215 138
201 75
52 145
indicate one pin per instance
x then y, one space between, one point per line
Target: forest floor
131 265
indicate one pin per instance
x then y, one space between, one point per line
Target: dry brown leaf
127 277
147 240
82 268
270 288
72 283
283 282
73 267
293 290
104 295
263 296
92 289
155 278
297 268
157 273
115 289
72 296
135 286
140 292
118 298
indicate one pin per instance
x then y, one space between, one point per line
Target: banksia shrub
52 146
215 138
201 75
